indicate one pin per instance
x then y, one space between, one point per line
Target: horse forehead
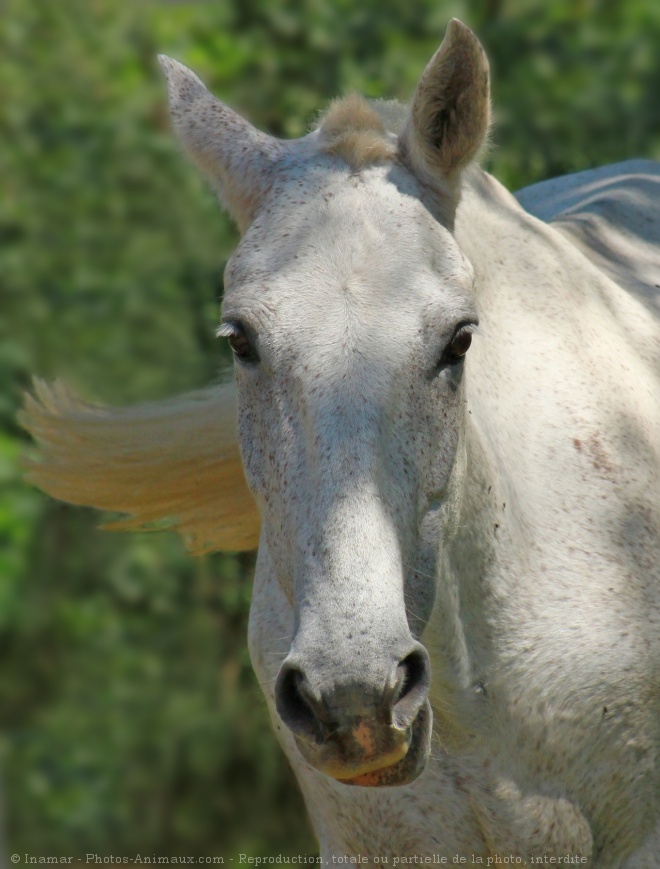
331 227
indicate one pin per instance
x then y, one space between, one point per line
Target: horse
443 435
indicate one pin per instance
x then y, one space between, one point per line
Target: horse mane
170 464
355 129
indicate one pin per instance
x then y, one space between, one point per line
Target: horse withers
448 421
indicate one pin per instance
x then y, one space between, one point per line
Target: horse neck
486 567
478 561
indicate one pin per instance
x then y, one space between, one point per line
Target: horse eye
458 347
242 348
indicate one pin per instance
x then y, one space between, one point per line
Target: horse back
612 214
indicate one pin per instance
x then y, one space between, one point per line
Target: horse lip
389 759
410 766
399 766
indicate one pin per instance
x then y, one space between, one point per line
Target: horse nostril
295 705
321 718
413 679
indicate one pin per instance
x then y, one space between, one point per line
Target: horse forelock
354 130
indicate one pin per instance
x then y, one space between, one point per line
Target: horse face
350 311
348 306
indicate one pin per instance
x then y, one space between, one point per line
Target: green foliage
574 85
130 719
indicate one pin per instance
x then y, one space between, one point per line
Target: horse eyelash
226 330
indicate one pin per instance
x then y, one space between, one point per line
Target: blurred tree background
130 720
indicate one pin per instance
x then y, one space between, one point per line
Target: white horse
455 618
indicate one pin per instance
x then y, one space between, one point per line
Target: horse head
350 310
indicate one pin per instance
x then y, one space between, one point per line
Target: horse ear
450 112
237 158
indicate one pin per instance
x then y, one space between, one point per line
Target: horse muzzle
359 734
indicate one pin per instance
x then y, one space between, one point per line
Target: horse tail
169 464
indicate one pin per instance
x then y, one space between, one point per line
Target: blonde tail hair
169 464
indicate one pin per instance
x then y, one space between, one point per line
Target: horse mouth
399 765
406 769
